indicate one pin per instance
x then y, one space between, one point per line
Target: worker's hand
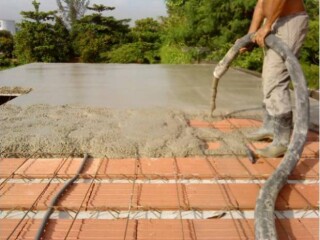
248 48
261 34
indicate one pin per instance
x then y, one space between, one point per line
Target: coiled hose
264 211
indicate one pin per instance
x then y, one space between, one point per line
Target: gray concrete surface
121 110
181 87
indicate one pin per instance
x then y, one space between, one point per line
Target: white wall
8 25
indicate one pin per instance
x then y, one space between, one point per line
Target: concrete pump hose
265 205
224 64
264 212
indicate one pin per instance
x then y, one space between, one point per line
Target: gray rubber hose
264 212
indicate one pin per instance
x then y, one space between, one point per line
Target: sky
133 9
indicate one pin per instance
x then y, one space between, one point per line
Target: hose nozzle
215 82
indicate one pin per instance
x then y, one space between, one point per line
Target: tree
94 34
143 47
6 44
72 10
38 40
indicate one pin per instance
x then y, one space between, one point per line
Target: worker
288 20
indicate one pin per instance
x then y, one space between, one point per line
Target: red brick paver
160 168
226 125
155 196
81 229
209 229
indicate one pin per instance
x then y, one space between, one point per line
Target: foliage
217 24
310 50
72 10
251 60
198 22
95 34
174 54
311 72
6 44
40 41
4 62
146 30
206 23
143 47
128 53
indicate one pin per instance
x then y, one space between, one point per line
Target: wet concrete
121 110
183 87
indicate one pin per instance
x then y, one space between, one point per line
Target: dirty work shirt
292 30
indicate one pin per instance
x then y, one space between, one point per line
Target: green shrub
137 52
250 60
311 73
6 43
172 54
4 62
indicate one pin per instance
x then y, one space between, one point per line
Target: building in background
8 25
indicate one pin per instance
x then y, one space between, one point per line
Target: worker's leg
266 130
292 30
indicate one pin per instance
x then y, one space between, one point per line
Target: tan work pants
292 30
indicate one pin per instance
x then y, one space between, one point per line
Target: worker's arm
273 9
256 22
257 18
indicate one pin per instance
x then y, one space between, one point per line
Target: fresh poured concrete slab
122 110
183 87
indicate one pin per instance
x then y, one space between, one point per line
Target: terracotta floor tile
208 229
308 195
21 196
156 196
313 137
196 167
228 168
232 168
306 168
210 196
246 195
9 165
241 123
223 125
81 229
75 197
92 167
70 167
294 229
312 225
213 145
313 147
226 125
157 168
40 168
92 229
165 230
217 229
118 168
161 196
113 196
223 229
241 168
200 123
